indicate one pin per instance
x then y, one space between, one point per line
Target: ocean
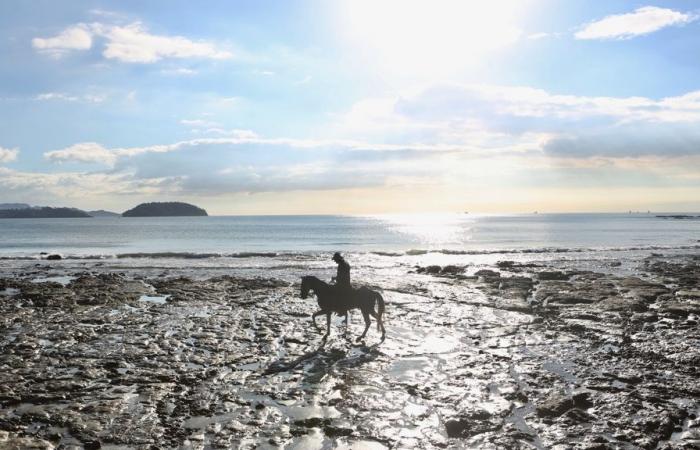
239 236
285 246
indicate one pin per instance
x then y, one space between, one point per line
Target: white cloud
134 44
181 71
625 26
90 152
56 96
491 104
129 43
76 37
199 123
79 185
499 120
8 154
87 98
538 36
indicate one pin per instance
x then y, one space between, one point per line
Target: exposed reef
508 356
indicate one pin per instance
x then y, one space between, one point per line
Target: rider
342 279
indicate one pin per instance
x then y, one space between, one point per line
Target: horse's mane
313 278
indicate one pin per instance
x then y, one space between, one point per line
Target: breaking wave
300 256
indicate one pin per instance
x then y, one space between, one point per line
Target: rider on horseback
342 279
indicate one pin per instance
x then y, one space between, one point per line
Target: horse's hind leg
365 315
328 326
380 322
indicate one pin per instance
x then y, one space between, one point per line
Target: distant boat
535 212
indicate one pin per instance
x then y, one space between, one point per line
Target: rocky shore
516 355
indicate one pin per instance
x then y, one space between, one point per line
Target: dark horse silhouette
330 302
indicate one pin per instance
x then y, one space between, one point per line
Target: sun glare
430 38
431 229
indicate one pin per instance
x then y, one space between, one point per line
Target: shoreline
534 354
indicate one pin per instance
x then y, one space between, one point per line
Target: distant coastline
44 212
154 209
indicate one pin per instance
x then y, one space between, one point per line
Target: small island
44 212
165 209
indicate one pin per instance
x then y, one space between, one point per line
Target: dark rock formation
164 209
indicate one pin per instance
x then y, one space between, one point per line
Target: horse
330 302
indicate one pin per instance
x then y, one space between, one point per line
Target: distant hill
44 212
14 206
164 209
103 213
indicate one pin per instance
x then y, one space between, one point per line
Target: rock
312 422
689 294
474 423
680 309
451 270
92 445
24 443
553 276
487 274
568 299
557 404
54 257
433 269
623 304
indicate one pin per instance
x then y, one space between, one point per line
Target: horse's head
305 286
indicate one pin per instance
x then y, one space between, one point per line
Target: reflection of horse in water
331 301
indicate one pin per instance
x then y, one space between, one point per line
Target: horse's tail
380 311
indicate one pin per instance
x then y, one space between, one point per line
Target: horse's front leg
365 315
313 318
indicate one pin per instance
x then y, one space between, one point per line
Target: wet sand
509 356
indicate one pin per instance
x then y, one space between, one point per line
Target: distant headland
155 209
164 209
43 212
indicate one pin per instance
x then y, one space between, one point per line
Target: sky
352 107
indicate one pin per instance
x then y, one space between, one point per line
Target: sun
430 38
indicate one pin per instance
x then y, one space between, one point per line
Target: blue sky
280 107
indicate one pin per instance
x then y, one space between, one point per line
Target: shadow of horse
331 300
322 360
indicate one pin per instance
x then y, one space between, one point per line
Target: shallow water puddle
204 421
308 412
408 369
9 292
158 299
63 280
437 344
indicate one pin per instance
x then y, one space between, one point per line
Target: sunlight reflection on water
431 229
